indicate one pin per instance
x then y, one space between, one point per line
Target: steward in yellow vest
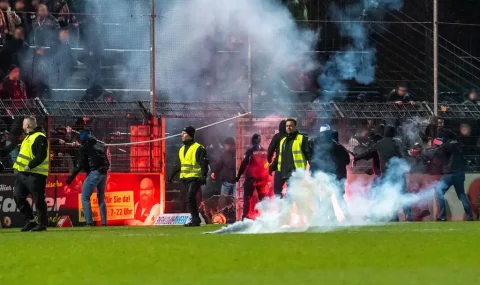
192 165
32 172
293 153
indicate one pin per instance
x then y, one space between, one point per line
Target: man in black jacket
331 157
273 149
293 153
254 163
94 161
193 167
454 167
387 148
226 168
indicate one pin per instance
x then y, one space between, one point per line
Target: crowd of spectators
37 41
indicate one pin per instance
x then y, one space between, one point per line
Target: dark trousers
193 187
251 184
278 183
456 180
33 184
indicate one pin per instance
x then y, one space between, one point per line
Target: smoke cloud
311 203
202 46
357 61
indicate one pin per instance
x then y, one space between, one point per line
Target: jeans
229 189
97 180
456 180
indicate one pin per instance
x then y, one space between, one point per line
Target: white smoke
202 46
312 204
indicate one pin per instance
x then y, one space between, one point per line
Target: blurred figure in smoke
45 34
147 209
64 58
453 174
12 88
14 50
256 178
330 157
21 9
225 169
8 21
471 97
387 148
400 95
273 148
293 153
193 167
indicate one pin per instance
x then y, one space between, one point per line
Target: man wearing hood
256 178
273 149
193 167
94 161
293 153
225 169
387 148
329 156
453 174
31 167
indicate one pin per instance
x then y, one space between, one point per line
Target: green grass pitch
407 253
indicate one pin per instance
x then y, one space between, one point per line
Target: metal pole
435 57
153 108
250 91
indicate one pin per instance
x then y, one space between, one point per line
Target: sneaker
89 225
39 228
29 226
192 224
441 220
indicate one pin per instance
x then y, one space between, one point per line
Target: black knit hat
190 131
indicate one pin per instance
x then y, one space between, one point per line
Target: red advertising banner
132 199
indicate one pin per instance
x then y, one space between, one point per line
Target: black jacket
329 156
201 157
394 97
275 143
39 148
386 148
226 167
451 157
288 165
91 157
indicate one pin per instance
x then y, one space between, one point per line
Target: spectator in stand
32 17
400 95
21 11
14 51
61 10
471 97
12 88
45 32
45 28
299 11
8 21
64 58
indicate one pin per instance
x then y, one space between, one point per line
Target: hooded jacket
92 157
275 143
226 166
386 148
450 154
329 156
254 161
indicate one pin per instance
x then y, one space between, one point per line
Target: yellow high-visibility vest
26 155
188 162
298 157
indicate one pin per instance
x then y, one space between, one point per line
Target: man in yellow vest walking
32 172
193 167
293 153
